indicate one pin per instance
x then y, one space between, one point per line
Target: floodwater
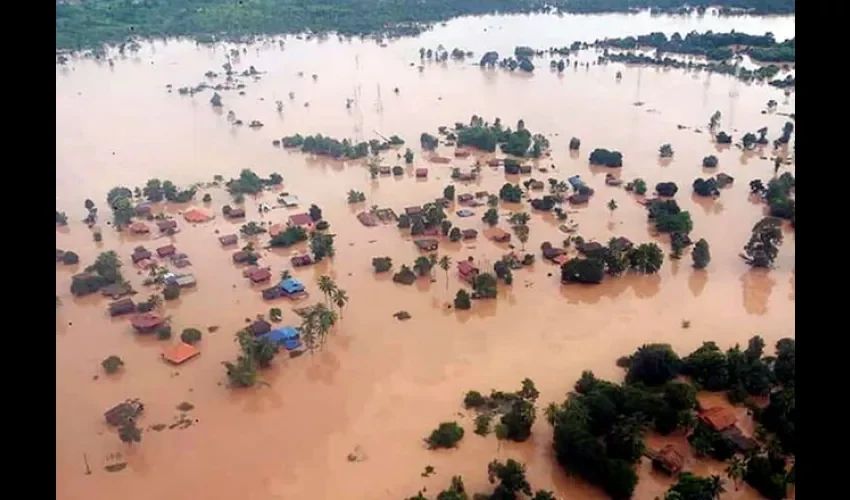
379 385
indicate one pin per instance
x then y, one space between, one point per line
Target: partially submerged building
179 353
146 322
120 307
124 412
228 239
466 271
426 244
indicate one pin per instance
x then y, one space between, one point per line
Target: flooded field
381 385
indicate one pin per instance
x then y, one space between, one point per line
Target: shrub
482 424
97 236
455 234
600 156
575 143
191 335
70 258
701 254
653 365
323 225
171 292
446 435
666 189
382 264
474 399
207 198
275 314
112 364
463 300
710 161
163 332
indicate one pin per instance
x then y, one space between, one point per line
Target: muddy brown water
380 384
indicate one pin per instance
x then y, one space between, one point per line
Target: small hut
578 199
469 234
123 306
139 228
241 256
166 251
259 327
421 173
497 234
196 216
467 271
166 225
236 213
301 220
146 322
179 353
427 244
228 239
143 209
668 459
465 198
301 260
140 254
260 275
525 169
271 293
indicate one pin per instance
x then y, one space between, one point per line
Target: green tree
449 192
128 432
735 469
327 286
112 364
462 301
340 298
446 435
191 335
445 264
511 479
491 217
701 254
653 365
763 247
612 205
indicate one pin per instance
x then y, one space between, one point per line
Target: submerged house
742 443
140 254
242 256
289 201
421 173
272 293
179 353
288 336
301 220
166 251
467 271
123 306
166 225
236 213
667 459
228 239
469 234
497 234
427 244
146 322
291 287
259 327
260 275
301 260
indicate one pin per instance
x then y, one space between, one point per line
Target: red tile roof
718 418
180 353
302 219
166 250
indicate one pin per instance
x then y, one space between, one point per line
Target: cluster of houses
144 258
289 288
721 420
288 336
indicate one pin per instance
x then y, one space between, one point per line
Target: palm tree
285 274
327 286
308 331
445 263
522 234
717 488
432 261
322 320
612 205
735 470
340 298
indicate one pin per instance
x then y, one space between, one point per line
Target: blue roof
291 344
291 285
281 335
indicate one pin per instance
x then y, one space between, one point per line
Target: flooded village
304 266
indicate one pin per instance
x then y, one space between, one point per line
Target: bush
171 292
446 435
382 264
575 143
207 198
723 138
70 258
518 420
463 300
667 189
455 234
482 424
607 158
397 170
112 364
191 335
701 254
163 332
474 399
706 187
710 161
323 225
97 236
275 314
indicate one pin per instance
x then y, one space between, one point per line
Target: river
380 385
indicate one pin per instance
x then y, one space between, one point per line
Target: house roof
496 233
426 244
228 239
259 275
742 442
180 353
166 250
280 334
196 215
670 459
718 418
290 201
260 327
139 227
291 285
185 280
421 172
146 320
302 219
166 224
469 233
465 267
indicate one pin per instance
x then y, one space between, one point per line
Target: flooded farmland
380 385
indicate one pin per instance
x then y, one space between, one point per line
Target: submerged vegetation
715 46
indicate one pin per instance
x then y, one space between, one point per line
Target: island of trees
715 46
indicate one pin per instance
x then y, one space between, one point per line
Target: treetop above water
93 22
